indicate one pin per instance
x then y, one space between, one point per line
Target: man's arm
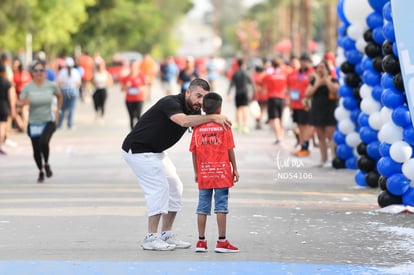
194 120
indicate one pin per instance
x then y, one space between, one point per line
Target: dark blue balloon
344 151
408 197
377 5
395 49
388 30
358 68
377 92
373 150
366 63
387 167
378 35
351 163
342 29
408 135
398 184
353 56
384 149
350 103
401 116
338 137
363 119
387 81
368 134
374 20
354 115
360 178
345 90
340 11
386 11
348 43
392 98
371 77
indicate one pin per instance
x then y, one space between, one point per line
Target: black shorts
242 100
301 117
275 107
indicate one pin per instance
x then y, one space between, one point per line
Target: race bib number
36 130
133 91
294 95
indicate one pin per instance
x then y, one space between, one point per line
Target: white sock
165 234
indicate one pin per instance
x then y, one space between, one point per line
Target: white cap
69 62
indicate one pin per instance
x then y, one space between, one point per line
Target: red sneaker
225 247
201 246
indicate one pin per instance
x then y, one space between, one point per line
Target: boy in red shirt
215 169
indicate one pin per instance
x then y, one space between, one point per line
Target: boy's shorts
221 199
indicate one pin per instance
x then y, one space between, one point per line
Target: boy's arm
232 157
195 166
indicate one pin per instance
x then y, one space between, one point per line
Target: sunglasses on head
38 70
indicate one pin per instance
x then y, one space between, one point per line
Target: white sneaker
172 240
157 244
326 164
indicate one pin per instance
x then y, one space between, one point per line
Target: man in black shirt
143 149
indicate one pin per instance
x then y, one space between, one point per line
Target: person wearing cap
69 81
40 95
7 106
298 81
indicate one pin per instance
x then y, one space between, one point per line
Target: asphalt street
287 216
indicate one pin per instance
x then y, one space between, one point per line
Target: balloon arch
374 134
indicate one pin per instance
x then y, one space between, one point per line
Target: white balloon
370 106
346 126
355 31
386 115
400 151
365 91
375 121
356 11
352 139
390 133
408 169
360 44
341 113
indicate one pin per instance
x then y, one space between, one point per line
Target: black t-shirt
4 97
155 132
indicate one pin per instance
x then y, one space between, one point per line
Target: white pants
159 181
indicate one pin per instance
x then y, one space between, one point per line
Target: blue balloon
351 163
363 119
386 11
378 35
392 98
348 43
387 167
350 103
408 197
408 135
358 68
354 115
340 11
388 30
368 134
395 49
366 63
374 20
398 184
401 116
338 137
345 91
387 81
371 77
353 56
344 151
377 5
342 29
376 92
384 149
360 178
373 150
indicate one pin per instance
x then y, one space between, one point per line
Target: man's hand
223 120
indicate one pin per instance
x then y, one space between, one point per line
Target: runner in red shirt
275 84
261 95
215 169
135 87
298 82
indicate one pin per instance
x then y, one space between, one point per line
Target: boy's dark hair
211 102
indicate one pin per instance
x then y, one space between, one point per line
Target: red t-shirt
298 81
261 94
133 85
275 83
20 79
210 142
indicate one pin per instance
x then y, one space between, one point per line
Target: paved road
287 216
